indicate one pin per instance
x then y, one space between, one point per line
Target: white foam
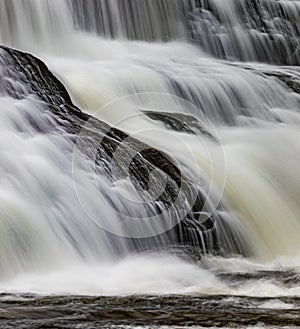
152 274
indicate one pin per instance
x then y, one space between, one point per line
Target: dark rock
66 119
180 122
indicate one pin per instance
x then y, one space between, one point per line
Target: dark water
160 311
23 311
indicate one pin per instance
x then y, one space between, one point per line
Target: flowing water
124 61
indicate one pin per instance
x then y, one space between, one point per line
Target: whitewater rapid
253 167
160 274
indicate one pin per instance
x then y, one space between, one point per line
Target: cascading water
135 19
248 30
132 65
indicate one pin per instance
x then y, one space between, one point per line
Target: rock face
248 30
64 118
180 122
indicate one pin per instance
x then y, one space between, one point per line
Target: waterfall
245 30
180 76
48 20
134 19
248 30
43 22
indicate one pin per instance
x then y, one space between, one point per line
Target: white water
155 274
255 169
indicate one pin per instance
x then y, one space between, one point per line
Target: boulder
36 81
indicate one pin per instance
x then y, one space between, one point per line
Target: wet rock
254 30
64 118
180 122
